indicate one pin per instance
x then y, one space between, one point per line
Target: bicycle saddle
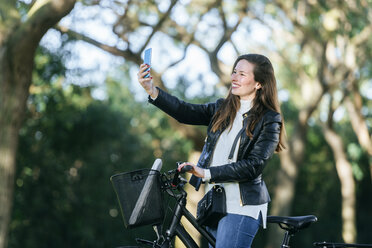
292 223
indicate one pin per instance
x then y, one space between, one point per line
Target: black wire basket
140 197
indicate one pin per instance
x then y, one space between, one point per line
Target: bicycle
140 195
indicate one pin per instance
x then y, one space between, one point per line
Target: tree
69 147
313 45
134 18
327 38
19 39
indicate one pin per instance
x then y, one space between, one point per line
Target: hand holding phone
147 60
145 81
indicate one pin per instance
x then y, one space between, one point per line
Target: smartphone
147 59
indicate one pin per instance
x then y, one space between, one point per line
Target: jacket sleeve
253 163
183 112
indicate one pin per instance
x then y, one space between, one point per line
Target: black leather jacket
252 154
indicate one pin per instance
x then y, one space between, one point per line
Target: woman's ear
258 86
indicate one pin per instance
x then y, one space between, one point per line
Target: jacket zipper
240 192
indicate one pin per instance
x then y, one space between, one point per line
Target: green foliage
318 190
69 147
71 143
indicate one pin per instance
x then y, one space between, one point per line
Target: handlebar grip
186 168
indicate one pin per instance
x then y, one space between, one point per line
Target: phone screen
147 59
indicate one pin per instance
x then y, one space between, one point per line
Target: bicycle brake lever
175 180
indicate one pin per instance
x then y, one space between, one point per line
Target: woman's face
242 81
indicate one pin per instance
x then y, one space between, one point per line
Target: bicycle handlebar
186 168
175 181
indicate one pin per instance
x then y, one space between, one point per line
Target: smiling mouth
235 85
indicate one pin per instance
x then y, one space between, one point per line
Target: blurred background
72 113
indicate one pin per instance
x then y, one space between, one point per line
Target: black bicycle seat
292 222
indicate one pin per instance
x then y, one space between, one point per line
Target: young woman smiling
244 131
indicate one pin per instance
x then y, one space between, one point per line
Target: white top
220 157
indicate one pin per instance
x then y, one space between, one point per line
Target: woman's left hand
196 171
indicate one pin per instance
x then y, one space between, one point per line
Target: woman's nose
233 77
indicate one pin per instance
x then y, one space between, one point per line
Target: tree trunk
18 43
345 174
8 139
284 195
15 80
285 188
359 124
290 160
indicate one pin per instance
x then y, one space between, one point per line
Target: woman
249 120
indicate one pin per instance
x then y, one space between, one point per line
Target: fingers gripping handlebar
177 172
185 169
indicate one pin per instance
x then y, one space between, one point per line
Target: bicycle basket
139 196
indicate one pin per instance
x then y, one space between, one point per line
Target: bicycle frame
340 245
176 228
291 224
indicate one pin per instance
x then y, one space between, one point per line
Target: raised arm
187 113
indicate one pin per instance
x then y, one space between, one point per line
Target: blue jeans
235 231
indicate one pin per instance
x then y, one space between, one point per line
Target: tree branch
9 18
42 16
127 54
228 31
181 59
120 20
159 24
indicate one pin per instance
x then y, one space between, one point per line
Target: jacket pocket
254 193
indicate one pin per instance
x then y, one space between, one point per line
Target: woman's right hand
196 171
146 83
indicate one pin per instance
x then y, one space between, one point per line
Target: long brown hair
266 99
